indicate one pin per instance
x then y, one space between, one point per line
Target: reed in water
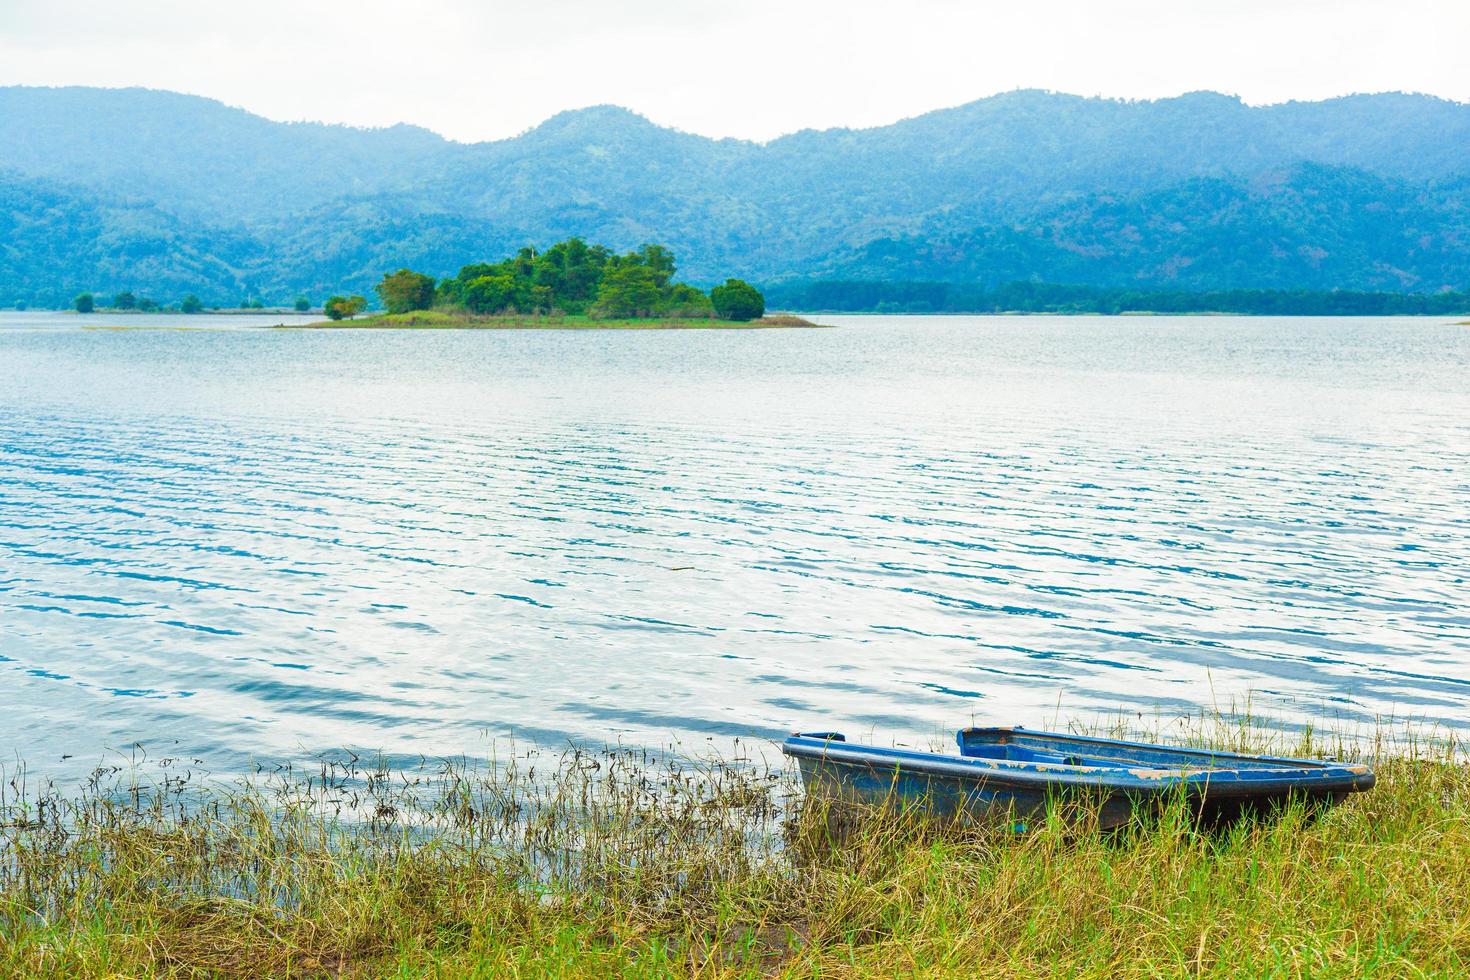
628 863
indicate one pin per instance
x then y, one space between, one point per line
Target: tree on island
627 290
124 301
190 304
85 303
490 294
405 291
737 300
344 307
576 279
659 261
302 304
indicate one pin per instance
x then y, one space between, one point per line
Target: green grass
622 864
448 320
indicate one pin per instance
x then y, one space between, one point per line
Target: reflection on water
251 543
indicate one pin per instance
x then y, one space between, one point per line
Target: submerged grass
623 863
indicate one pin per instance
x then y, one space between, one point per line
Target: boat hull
1111 784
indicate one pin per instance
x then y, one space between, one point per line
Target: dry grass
459 320
785 320
622 863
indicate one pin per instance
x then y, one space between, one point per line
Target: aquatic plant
626 862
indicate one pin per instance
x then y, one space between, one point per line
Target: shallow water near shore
241 543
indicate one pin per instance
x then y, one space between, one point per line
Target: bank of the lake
618 863
460 320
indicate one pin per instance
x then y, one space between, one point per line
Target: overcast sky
486 69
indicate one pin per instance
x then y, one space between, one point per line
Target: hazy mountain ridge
1312 227
58 240
199 157
1027 185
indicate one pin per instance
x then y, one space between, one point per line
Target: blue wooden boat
1012 773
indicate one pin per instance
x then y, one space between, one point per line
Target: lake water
241 543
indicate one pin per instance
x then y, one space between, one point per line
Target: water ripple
257 543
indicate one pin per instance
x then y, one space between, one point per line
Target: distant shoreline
778 321
1097 314
165 311
919 297
439 320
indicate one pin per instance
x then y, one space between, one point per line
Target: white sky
487 69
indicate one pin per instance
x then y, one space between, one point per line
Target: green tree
686 301
490 294
571 270
737 300
627 290
449 292
85 303
660 262
405 291
570 277
344 307
124 301
525 263
147 305
302 304
190 304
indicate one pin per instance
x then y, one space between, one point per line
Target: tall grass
625 863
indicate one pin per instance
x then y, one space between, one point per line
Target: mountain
160 192
199 158
1311 227
57 240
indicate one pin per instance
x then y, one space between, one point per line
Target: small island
569 286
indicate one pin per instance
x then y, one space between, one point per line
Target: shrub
737 300
405 291
686 302
344 307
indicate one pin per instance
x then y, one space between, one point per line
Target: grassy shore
623 864
448 320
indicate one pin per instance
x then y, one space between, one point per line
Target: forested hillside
1313 227
164 194
57 240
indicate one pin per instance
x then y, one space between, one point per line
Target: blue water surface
239 543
